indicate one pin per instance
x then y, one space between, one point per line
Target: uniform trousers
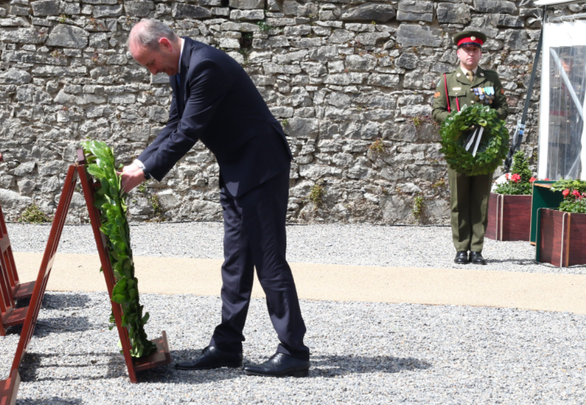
255 236
469 197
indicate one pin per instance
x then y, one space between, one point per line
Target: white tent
563 96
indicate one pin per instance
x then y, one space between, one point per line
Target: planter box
509 217
543 197
561 238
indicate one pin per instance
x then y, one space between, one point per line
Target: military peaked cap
469 38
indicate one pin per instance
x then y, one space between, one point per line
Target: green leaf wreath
493 146
111 201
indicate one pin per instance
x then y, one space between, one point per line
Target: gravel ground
362 353
362 245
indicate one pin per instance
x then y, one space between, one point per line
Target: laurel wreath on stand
493 146
111 201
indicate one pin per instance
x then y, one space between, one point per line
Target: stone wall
351 81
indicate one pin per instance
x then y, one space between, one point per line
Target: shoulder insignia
457 74
437 94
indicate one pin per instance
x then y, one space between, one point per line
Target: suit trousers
469 209
255 236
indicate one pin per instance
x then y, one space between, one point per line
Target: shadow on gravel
333 366
81 366
103 366
533 263
49 326
518 262
62 301
169 374
50 401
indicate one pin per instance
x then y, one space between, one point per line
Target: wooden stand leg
9 283
9 388
41 283
19 291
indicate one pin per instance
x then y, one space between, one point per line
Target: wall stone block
417 35
382 80
138 8
71 9
515 40
181 10
24 36
250 15
18 10
11 199
68 36
15 76
410 10
505 20
371 38
495 6
100 2
45 8
453 13
247 4
370 12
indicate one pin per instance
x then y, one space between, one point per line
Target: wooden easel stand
9 387
11 290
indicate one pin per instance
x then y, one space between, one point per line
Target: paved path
466 286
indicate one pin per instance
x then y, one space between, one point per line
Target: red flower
566 192
515 177
576 193
507 176
532 179
546 179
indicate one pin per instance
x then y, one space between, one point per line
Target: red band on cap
475 40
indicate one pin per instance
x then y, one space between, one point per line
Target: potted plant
509 205
562 232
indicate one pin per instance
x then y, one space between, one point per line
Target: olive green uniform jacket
469 194
459 88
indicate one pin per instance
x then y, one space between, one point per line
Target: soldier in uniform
467 85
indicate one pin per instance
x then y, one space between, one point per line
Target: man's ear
164 43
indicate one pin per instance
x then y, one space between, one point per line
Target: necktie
470 76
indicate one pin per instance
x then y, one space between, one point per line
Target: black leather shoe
461 257
211 358
280 365
476 258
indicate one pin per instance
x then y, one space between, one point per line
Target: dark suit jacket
218 103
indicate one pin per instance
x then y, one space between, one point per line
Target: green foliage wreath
110 200
493 147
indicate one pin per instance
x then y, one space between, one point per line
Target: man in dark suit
216 102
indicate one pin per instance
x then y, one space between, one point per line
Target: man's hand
132 176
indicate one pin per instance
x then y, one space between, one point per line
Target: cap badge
473 38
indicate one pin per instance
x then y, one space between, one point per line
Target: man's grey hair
150 32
